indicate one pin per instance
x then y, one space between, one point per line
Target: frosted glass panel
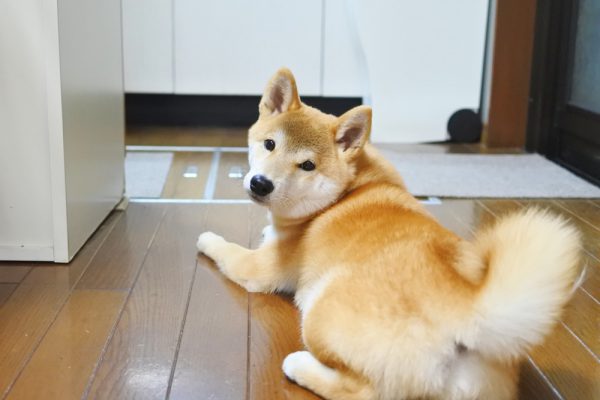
585 81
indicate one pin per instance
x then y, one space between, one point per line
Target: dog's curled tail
532 262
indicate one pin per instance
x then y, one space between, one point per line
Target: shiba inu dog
393 305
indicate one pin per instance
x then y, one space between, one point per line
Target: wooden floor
181 186
186 136
138 314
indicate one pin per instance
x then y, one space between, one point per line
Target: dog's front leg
262 270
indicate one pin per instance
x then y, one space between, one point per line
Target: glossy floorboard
138 314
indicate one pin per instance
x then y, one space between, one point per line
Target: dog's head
301 160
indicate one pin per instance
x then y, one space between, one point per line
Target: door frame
550 71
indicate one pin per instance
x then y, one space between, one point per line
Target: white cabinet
415 62
61 124
234 46
344 67
148 46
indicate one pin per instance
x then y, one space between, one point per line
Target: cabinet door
344 68
87 135
234 46
148 46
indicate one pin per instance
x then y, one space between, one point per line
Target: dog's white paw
207 240
295 363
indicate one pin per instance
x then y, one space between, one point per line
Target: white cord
363 66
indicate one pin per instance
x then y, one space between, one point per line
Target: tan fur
393 305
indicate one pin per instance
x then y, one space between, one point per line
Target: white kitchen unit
148 46
61 124
415 62
344 63
234 46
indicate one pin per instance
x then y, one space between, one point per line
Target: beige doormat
493 175
146 173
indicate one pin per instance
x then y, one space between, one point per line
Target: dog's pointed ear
281 94
353 130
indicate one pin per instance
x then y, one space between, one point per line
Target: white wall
424 61
25 185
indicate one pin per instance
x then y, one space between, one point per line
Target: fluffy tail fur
532 261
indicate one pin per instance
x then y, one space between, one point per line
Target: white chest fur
309 294
269 234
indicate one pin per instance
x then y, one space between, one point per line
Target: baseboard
205 110
26 253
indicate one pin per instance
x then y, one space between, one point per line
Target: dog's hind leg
473 377
266 269
304 369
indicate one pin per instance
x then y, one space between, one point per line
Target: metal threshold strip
429 201
189 201
190 149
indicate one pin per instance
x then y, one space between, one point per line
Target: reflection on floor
186 136
137 314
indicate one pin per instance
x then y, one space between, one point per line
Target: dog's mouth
258 199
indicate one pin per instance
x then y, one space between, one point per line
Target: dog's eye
269 144
307 165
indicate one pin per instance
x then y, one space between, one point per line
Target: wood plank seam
472 229
249 244
589 295
558 204
586 266
16 287
4 288
594 203
88 386
59 309
581 342
248 337
214 340
181 328
31 269
545 378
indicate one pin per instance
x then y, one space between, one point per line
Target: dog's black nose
260 185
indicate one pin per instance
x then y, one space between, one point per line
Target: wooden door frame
544 72
549 89
506 124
